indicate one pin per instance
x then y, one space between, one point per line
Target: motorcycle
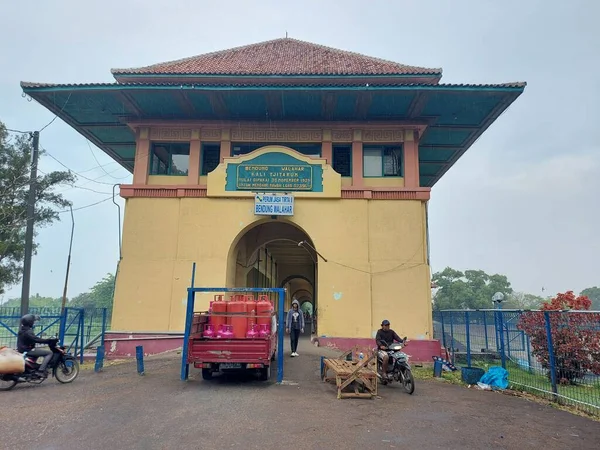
63 366
398 367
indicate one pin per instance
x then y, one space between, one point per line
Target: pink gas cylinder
264 309
225 332
218 315
263 331
250 310
237 317
252 333
209 332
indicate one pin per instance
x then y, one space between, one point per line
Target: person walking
295 325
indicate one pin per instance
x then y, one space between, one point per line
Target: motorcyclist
384 338
26 340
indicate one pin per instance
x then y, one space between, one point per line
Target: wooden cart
360 374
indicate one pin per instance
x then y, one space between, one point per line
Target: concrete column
195 158
142 157
411 159
327 147
357 158
225 144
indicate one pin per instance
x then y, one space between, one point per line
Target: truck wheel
207 374
265 374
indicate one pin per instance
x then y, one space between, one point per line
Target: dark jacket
386 337
26 339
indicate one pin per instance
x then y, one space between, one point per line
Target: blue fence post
104 314
280 333
139 356
99 359
452 337
501 326
468 337
507 341
529 354
189 318
63 326
551 358
443 330
485 330
82 333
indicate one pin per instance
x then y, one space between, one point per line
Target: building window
211 156
382 162
170 159
243 148
342 160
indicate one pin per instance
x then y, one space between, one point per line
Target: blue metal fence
76 328
555 354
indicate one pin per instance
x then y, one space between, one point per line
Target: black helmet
28 320
385 322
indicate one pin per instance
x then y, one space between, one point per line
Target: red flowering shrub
575 336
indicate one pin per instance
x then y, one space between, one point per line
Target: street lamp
497 299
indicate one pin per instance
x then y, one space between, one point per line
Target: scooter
398 367
63 366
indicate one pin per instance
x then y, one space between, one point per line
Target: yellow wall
166 180
375 248
384 182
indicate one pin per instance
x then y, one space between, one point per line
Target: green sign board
274 172
274 177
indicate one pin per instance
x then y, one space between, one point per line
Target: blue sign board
272 172
273 205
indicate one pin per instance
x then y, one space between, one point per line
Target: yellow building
282 163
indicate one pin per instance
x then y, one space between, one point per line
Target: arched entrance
270 253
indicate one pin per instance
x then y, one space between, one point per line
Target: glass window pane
342 160
372 163
211 156
180 164
391 162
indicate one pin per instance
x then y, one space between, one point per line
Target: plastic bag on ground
495 377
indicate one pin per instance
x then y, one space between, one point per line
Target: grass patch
426 373
583 399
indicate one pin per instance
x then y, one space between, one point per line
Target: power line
86 206
17 131
98 162
61 110
71 170
74 186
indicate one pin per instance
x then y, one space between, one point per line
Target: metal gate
76 328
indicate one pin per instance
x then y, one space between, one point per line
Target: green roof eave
507 87
456 114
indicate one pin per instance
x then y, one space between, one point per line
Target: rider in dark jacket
26 340
384 338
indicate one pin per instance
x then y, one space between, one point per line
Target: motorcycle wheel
6 383
408 382
66 371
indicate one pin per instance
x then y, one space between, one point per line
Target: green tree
99 296
469 289
15 166
35 301
593 293
521 300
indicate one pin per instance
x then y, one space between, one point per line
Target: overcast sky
523 201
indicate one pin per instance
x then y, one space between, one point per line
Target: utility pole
64 297
30 223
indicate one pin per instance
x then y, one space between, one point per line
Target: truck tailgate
230 350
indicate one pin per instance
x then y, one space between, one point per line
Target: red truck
216 351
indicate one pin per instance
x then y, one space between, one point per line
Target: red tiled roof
284 56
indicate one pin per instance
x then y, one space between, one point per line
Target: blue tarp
496 377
